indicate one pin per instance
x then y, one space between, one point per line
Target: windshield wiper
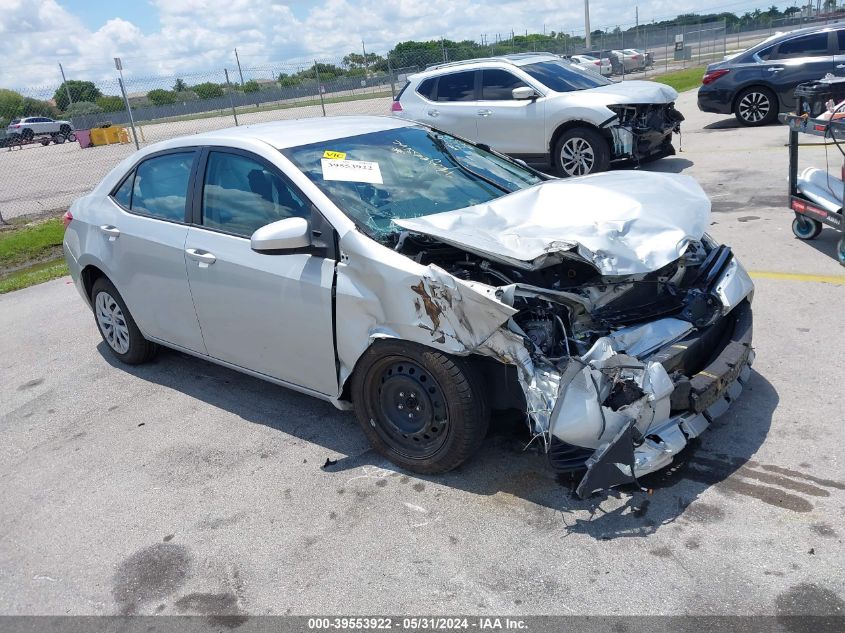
441 145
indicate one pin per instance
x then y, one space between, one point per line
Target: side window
240 195
426 88
765 53
161 186
123 195
840 41
805 46
457 87
496 85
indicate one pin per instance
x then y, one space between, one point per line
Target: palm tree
180 86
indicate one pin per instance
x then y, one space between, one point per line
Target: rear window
807 45
457 87
564 77
14 121
399 94
426 88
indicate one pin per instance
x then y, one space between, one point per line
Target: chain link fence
47 172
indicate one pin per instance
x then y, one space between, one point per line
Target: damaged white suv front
598 305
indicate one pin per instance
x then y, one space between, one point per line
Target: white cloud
199 36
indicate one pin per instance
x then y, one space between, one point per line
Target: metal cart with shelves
815 196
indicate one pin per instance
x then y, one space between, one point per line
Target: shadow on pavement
504 470
668 165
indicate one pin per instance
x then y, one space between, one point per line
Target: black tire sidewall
601 150
817 228
770 118
467 413
140 349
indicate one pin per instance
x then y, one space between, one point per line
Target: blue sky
169 38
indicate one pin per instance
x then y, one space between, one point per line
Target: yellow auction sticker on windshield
334 155
351 171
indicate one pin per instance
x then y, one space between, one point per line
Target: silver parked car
383 265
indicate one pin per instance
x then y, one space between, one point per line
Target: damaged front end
628 341
643 131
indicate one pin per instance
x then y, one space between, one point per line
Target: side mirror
524 92
282 235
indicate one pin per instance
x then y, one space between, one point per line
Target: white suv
545 110
32 126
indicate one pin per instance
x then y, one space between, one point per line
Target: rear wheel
756 106
27 134
64 130
117 327
805 228
418 407
581 151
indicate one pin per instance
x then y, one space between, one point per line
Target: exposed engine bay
642 131
612 355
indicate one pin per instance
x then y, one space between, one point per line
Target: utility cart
815 195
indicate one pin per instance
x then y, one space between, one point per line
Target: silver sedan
425 282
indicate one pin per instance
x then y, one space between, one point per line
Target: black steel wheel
418 407
805 228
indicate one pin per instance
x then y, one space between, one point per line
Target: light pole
587 23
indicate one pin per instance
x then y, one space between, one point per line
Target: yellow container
98 136
109 135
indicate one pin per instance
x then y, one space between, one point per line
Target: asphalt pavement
182 487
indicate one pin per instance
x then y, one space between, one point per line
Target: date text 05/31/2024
416 624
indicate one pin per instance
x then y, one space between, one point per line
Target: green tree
110 103
160 97
37 107
11 103
287 81
180 86
791 11
251 86
80 108
208 90
79 91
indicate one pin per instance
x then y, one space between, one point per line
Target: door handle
485 112
111 231
434 113
202 257
775 69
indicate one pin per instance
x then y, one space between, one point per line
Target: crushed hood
624 223
630 92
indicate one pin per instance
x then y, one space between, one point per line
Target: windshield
564 77
405 173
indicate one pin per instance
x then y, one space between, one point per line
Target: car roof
513 59
779 37
295 132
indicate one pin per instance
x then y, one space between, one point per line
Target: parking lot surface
183 487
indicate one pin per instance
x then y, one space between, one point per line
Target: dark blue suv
758 83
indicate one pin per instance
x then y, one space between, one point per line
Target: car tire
64 130
45 141
587 152
755 106
27 134
805 228
117 327
58 139
419 408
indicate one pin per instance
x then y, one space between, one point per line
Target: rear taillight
396 107
597 63
67 218
713 75
16 125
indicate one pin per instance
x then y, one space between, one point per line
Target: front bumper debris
644 131
694 402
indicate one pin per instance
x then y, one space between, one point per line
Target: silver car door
143 242
268 313
455 107
512 126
